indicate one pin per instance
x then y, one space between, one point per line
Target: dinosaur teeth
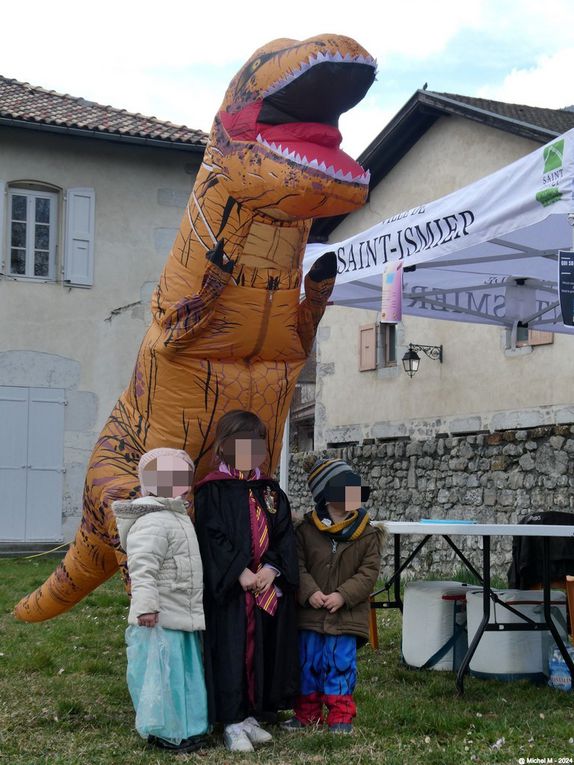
314 163
363 179
319 58
303 68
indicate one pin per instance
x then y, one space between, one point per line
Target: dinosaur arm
184 320
319 284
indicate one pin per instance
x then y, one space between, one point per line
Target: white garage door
31 463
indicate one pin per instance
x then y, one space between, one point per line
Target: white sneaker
235 739
255 733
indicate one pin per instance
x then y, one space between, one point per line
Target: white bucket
434 624
509 655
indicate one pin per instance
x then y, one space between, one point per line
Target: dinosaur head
275 141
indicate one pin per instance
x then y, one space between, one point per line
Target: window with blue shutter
32 234
2 227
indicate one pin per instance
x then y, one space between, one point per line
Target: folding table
485 531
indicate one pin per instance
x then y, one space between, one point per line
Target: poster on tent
392 297
566 286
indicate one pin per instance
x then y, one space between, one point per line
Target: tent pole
550 307
514 335
284 458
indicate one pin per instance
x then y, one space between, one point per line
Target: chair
373 630
525 572
570 596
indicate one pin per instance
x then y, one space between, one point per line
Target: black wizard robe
223 528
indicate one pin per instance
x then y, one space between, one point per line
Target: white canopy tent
486 253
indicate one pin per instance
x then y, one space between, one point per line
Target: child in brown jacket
339 560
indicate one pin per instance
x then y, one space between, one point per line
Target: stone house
91 198
486 435
437 144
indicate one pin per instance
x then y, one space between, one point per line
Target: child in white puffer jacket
165 667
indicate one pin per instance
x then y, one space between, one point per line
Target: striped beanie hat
325 471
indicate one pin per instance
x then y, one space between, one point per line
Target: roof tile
22 101
559 120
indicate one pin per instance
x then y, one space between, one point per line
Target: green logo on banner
553 156
548 196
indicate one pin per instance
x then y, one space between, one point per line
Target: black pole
485 615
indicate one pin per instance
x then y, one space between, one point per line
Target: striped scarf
350 528
266 601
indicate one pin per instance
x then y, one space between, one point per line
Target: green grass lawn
64 701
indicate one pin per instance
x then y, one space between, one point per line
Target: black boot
190 744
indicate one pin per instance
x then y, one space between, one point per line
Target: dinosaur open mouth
297 117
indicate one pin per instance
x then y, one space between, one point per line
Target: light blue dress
166 682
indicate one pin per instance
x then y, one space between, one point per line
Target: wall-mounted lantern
411 359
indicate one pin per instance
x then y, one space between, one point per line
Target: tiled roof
558 120
30 104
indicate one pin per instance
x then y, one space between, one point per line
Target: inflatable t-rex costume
229 330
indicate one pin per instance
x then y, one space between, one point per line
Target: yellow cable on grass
36 555
47 552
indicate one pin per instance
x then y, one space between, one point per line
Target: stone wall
496 477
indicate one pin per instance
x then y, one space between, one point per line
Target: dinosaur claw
324 267
218 257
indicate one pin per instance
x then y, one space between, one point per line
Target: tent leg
373 631
514 335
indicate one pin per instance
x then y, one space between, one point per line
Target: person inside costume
247 543
339 560
165 669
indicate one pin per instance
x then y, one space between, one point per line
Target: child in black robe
247 543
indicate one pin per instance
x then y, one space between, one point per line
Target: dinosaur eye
256 64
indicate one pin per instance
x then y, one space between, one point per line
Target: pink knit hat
148 457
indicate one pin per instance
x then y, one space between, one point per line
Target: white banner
459 252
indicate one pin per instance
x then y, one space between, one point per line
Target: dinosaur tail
88 562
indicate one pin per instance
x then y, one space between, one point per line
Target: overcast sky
174 59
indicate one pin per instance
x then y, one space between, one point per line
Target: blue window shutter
79 240
13 462
3 237
45 464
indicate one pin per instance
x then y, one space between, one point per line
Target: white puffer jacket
163 561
